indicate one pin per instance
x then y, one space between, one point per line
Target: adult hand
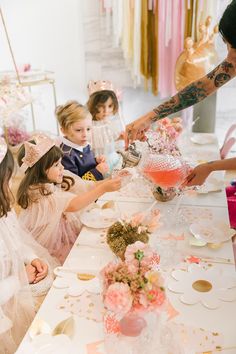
137 129
198 175
41 269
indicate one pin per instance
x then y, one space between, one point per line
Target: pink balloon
132 325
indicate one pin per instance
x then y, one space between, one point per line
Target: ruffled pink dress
49 223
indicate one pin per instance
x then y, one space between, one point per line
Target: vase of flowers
134 299
129 230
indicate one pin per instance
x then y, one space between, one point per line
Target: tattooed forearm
221 74
187 97
196 91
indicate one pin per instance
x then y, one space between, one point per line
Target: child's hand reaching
41 269
102 167
112 184
100 159
31 273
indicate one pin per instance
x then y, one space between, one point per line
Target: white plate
211 185
46 344
99 218
203 139
200 285
211 233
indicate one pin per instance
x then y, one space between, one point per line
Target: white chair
228 142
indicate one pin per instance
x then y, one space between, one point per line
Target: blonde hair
70 112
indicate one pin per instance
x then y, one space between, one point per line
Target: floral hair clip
3 148
34 152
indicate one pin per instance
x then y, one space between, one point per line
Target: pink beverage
165 178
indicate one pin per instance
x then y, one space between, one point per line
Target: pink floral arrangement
138 227
16 135
163 139
170 127
133 284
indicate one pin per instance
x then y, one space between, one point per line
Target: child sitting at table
108 127
19 265
76 124
49 210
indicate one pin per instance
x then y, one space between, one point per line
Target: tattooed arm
191 94
196 91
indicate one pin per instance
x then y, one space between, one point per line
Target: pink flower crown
3 148
34 152
100 85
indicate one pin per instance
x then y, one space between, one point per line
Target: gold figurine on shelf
198 58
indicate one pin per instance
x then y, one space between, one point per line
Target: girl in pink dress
49 210
19 265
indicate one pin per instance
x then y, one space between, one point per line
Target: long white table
91 253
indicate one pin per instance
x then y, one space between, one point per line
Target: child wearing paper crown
19 265
49 209
107 126
76 124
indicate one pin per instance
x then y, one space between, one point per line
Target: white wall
48 34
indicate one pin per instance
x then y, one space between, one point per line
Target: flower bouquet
134 298
137 228
16 135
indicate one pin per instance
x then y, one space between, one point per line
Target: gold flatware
215 246
218 349
212 260
80 275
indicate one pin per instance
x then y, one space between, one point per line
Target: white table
89 253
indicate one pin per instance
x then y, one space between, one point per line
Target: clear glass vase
164 195
136 333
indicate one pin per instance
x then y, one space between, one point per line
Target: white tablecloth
90 252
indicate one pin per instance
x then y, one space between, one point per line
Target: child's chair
228 142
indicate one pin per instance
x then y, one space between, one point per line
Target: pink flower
106 273
152 299
16 135
165 121
118 298
138 254
177 120
153 221
136 219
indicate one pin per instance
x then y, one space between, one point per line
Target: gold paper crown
3 148
100 85
34 152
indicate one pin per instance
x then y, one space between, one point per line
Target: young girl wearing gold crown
49 209
107 126
19 265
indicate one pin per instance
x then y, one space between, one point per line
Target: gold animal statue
197 59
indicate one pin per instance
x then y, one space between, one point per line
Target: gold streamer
149 45
144 42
